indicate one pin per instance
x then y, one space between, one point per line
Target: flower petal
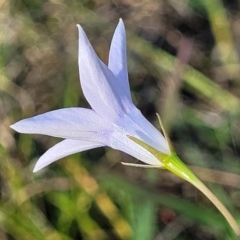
117 57
134 122
72 123
63 149
120 141
106 95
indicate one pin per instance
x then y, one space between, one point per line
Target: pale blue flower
113 117
113 121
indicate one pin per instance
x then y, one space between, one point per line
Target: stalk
176 166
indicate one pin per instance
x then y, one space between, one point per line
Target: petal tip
15 127
121 23
37 168
21 126
12 126
80 30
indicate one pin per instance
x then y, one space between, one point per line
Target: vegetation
183 59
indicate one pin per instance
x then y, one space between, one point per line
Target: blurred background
183 59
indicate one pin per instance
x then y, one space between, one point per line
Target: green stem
176 166
172 163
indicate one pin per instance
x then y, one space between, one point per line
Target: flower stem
176 166
232 222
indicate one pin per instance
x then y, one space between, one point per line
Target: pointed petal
117 57
73 123
120 141
104 92
146 131
63 149
136 125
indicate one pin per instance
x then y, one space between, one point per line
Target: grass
183 60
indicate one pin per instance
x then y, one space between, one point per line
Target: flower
113 120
